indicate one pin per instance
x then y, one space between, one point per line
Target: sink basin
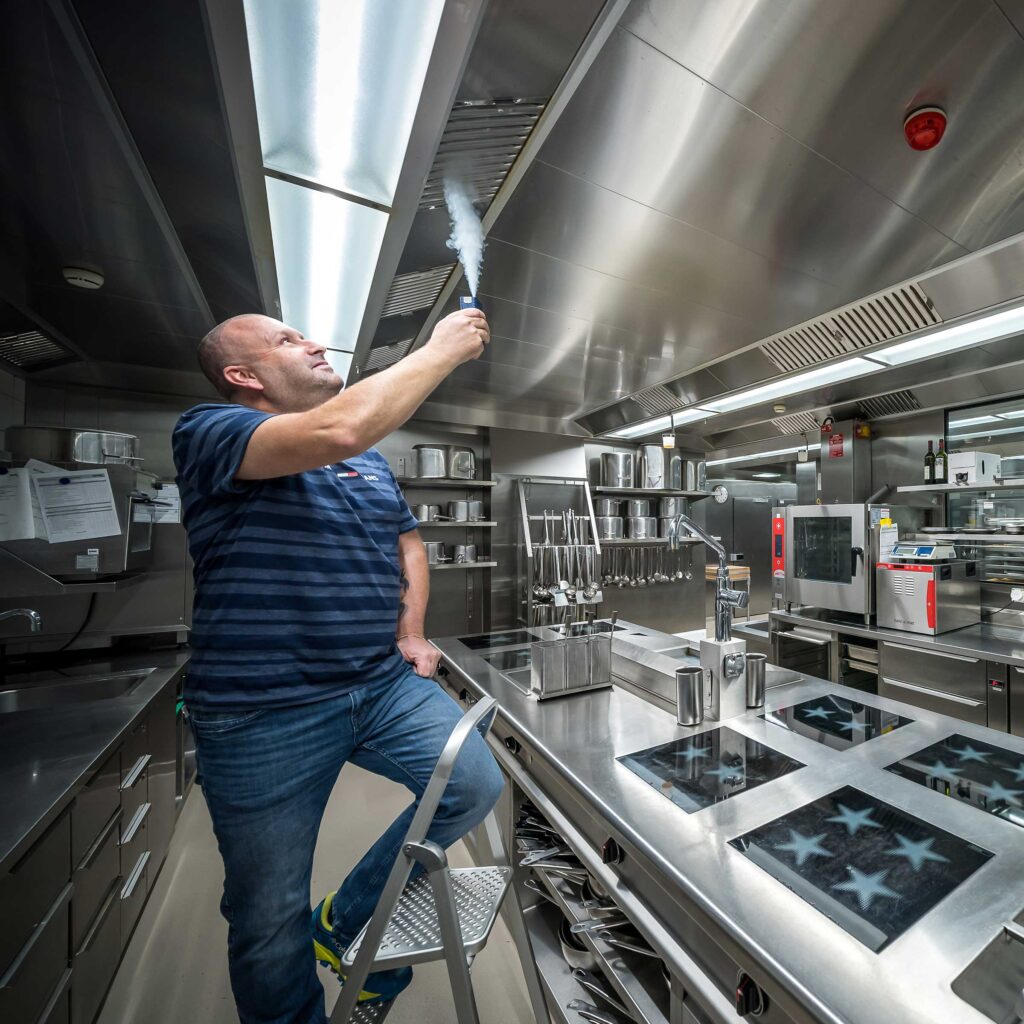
69 690
993 981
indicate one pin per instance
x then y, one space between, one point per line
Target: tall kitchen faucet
725 597
34 618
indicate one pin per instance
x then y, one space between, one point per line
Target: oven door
830 564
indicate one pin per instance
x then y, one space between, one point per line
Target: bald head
258 361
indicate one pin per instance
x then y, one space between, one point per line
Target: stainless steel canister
673 470
755 679
436 552
476 511
609 527
458 511
608 507
642 527
461 462
426 513
690 475
617 469
671 506
702 476
638 507
431 460
690 695
465 553
665 526
650 468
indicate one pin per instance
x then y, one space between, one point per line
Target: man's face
289 370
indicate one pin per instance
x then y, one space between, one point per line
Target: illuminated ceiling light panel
994 327
326 248
985 433
973 420
337 85
846 369
757 456
660 423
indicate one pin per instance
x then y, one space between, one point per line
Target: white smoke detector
82 278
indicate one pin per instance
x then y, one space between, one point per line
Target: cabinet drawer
58 1006
95 964
93 878
963 708
134 834
135 789
28 890
136 746
949 673
93 807
133 897
36 969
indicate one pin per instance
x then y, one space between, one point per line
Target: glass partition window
822 548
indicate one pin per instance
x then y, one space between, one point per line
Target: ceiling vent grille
658 400
481 141
896 403
797 423
31 350
415 290
852 328
386 355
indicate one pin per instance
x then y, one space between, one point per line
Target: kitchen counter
47 754
990 643
726 910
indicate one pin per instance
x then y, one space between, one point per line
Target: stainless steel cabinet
1016 687
950 684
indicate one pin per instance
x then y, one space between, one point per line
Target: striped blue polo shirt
296 578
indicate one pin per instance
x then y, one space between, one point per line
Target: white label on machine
89 562
77 504
887 538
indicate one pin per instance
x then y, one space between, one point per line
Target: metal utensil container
609 527
547 668
577 662
638 507
690 695
617 469
72 445
755 679
600 645
642 528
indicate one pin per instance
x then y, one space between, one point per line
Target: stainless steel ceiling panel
840 77
980 280
675 144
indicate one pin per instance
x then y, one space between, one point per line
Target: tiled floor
175 969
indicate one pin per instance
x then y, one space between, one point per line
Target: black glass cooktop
863 863
491 640
507 661
705 769
836 721
989 777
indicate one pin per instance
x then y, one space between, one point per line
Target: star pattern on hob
997 791
692 753
853 725
916 852
968 753
802 847
822 713
867 886
854 820
941 770
1018 772
724 771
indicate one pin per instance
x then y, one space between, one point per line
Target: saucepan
608 507
465 553
436 552
426 513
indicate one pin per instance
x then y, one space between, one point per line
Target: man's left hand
421 654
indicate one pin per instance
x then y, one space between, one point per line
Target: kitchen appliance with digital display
924 588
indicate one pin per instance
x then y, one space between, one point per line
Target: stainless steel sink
994 982
58 690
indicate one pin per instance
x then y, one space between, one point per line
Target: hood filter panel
896 403
386 355
415 290
658 399
797 423
852 328
32 351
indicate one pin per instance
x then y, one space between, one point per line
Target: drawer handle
55 995
135 824
136 771
94 851
804 639
101 917
133 878
9 975
931 654
941 694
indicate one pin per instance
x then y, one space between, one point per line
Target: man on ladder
308 650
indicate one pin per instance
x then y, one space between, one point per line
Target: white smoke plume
467 237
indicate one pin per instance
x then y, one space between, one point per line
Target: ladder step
371 1013
413 934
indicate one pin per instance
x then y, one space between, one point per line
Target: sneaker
383 986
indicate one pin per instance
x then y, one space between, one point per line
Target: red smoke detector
924 127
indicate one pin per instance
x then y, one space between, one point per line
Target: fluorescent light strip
758 456
660 423
766 476
993 327
973 421
985 433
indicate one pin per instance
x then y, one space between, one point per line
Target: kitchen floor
176 967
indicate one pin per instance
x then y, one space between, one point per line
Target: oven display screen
823 549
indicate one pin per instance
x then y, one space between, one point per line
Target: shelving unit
471 524
443 566
1002 485
652 542
444 482
643 492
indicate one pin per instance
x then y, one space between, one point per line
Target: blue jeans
266 775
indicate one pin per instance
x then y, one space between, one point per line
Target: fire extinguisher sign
835 446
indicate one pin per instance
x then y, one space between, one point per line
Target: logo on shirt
352 473
370 476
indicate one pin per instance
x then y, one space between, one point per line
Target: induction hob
506 661
990 778
489 641
712 766
870 867
835 721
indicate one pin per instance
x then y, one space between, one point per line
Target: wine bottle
942 463
929 465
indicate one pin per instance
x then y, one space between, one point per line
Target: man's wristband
419 636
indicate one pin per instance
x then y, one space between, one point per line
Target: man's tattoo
404 584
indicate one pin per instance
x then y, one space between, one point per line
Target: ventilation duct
852 328
896 403
481 142
415 290
32 351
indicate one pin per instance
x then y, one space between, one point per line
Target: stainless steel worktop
814 969
990 643
48 753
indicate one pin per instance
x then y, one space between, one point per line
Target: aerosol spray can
469 302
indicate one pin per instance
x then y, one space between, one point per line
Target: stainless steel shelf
1002 485
469 525
653 542
461 565
643 492
462 485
